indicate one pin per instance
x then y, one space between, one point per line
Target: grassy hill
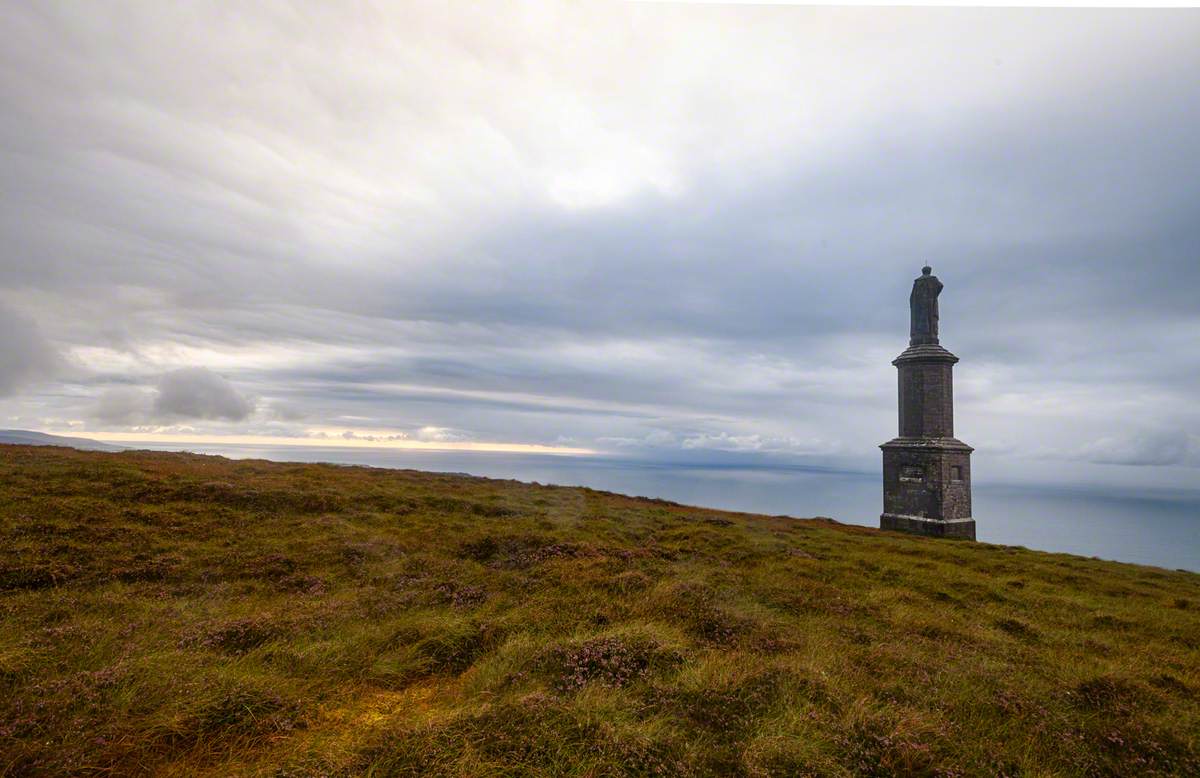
188 615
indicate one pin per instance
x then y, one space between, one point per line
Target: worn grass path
182 615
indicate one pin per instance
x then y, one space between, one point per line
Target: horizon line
328 442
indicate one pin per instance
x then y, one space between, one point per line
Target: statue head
926 270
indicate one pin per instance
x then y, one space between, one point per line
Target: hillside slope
31 438
186 615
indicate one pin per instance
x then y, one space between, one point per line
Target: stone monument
926 470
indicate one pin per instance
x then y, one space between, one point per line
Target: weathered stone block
963 529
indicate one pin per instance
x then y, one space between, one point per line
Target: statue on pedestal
926 470
923 308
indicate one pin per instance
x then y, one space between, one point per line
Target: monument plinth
926 470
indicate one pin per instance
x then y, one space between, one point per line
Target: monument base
919 525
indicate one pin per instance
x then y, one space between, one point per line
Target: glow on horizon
313 442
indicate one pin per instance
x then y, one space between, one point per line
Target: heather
173 614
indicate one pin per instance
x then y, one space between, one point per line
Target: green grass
182 615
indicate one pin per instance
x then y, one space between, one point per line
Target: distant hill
30 438
186 615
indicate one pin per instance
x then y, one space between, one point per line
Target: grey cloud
283 411
1146 448
25 354
199 393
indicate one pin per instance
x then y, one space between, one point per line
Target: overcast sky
657 230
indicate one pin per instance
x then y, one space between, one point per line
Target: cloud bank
185 394
199 393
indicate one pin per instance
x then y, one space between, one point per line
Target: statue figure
923 308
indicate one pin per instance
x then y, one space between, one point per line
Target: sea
1157 527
